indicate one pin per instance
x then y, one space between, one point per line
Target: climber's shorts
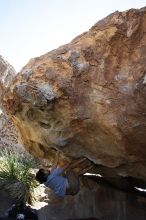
73 183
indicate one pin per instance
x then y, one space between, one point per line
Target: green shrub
15 175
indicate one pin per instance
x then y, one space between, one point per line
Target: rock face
7 73
87 98
8 134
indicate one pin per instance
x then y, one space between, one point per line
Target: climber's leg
73 183
83 171
77 162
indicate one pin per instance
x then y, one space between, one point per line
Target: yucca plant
15 175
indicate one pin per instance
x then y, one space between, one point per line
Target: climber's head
42 175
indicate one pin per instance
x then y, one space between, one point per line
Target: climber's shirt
57 182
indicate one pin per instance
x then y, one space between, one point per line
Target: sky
30 28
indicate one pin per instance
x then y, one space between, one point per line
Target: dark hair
41 176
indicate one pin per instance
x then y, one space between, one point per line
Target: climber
62 180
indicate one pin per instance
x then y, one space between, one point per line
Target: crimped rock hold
87 98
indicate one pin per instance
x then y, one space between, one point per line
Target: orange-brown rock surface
87 98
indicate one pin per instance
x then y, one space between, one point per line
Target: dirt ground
5 202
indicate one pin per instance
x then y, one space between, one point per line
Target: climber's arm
72 165
76 163
66 167
56 161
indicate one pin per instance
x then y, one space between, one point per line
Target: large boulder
87 98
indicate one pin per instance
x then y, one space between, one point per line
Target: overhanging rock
87 98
